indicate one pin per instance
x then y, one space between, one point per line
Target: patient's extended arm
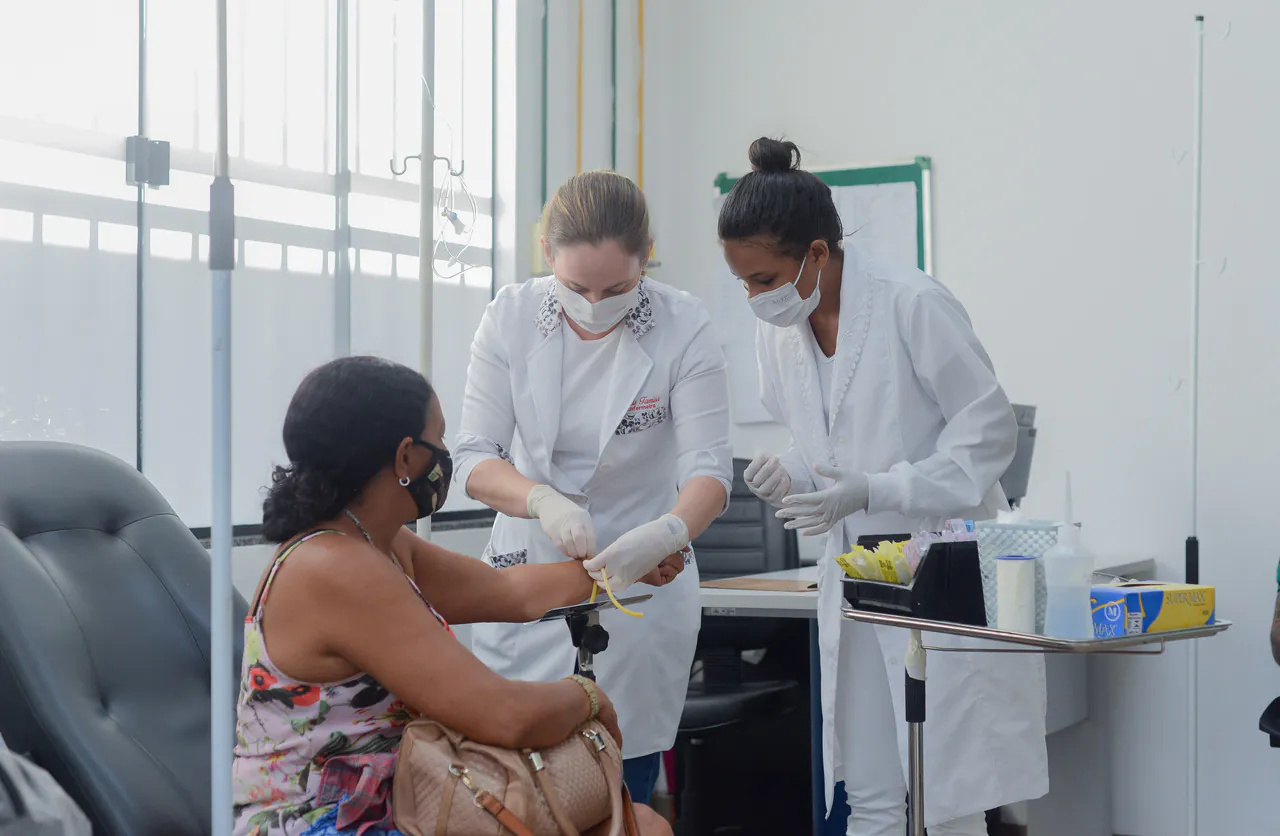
470 591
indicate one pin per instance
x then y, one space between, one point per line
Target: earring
404 481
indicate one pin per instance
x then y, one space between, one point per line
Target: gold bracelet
592 693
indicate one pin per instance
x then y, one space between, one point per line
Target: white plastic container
1068 575
995 539
1016 593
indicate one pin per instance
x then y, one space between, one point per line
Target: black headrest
104 638
49 486
747 539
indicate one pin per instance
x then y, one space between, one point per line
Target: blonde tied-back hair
598 206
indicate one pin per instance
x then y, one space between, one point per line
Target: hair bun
773 155
298 499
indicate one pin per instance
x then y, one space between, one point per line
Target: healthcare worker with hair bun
595 421
897 424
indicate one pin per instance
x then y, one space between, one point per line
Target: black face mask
431 489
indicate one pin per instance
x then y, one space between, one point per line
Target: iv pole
426 204
1193 541
222 261
426 189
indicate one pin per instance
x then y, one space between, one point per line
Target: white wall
664 91
1062 219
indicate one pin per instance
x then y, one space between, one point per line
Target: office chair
735 703
104 639
1018 473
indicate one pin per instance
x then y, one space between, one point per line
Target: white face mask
784 306
596 317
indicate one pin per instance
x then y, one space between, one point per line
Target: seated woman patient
348 635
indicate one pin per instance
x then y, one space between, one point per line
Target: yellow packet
847 565
903 568
866 562
884 557
859 563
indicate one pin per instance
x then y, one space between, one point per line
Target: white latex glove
815 513
636 553
767 478
568 525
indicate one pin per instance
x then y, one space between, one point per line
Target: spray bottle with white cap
1068 575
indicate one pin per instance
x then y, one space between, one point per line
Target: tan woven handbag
447 785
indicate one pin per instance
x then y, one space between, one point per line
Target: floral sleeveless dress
287 730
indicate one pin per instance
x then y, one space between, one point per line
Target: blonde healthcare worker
897 424
595 421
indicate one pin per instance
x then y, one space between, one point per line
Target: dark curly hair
343 426
780 201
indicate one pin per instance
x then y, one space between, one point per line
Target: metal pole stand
222 261
590 638
915 663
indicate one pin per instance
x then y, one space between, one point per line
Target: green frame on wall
918 171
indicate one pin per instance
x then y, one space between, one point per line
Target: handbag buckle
594 737
461 773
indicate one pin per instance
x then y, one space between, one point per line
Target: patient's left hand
666 571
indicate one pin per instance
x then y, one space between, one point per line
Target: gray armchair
104 639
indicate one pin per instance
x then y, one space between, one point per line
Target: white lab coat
665 421
915 405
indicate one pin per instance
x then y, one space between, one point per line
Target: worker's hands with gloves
768 478
666 571
568 525
816 513
639 551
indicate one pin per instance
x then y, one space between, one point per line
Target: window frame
148 215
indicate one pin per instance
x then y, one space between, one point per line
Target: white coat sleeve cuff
468 451
727 484
716 463
885 492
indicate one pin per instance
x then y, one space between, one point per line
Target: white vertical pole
426 187
342 196
1193 547
221 264
1196 162
426 202
143 243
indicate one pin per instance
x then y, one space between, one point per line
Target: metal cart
1027 643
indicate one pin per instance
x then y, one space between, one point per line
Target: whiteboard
885 214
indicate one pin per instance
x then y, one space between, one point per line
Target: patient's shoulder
332 568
